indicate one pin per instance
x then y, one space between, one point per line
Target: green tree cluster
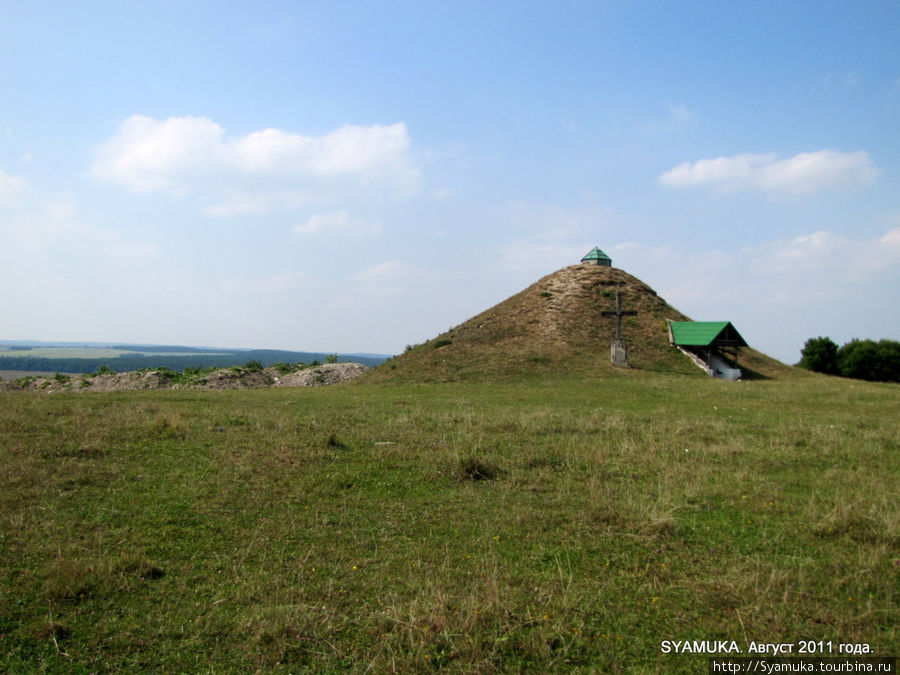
859 359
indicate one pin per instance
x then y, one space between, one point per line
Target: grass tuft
336 443
54 630
472 468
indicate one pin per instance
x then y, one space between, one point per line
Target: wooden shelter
716 343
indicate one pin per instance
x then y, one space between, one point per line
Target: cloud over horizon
253 173
333 223
803 173
12 190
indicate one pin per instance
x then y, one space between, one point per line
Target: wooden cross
619 313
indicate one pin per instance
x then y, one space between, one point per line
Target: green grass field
534 525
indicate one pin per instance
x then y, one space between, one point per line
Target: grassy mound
556 326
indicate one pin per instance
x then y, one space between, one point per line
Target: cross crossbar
619 313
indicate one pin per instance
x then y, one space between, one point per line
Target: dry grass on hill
556 325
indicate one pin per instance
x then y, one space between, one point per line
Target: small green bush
288 368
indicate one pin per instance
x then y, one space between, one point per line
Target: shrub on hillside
288 368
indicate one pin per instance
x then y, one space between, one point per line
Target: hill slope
555 325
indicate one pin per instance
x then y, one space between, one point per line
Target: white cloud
242 204
12 190
554 236
678 117
393 270
250 174
527 256
279 283
348 150
801 174
817 246
83 280
842 259
819 265
553 223
892 238
147 156
444 193
334 223
388 279
56 225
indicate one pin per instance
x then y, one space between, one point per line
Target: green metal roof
596 255
705 334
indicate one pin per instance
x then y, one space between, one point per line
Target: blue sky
361 176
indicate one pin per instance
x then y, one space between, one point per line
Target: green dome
598 257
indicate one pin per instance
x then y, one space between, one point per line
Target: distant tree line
859 359
162 349
129 362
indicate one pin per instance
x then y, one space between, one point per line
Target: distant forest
129 362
